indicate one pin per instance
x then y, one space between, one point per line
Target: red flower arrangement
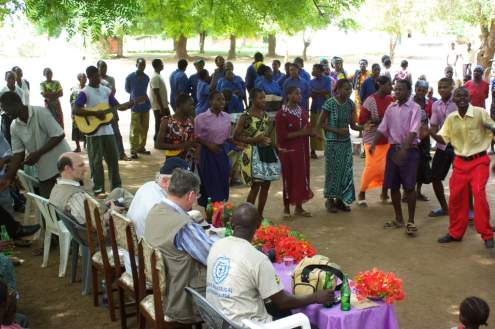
378 284
283 241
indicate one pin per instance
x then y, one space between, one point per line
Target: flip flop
437 213
303 213
411 229
422 197
393 224
362 203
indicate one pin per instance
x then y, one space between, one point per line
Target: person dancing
259 165
470 132
337 116
401 124
293 132
370 116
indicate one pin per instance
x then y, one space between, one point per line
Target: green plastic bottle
327 284
209 211
4 235
345 295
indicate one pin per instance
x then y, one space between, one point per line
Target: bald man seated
240 279
69 193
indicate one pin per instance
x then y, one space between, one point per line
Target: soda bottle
327 284
345 295
209 211
228 230
4 236
227 213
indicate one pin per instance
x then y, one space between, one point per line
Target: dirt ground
436 277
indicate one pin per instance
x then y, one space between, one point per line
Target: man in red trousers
470 132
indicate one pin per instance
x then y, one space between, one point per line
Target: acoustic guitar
89 124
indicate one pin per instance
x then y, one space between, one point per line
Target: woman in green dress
51 90
335 120
259 162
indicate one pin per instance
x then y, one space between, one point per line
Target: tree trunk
272 45
394 39
306 45
202 38
232 47
487 47
113 45
181 48
175 45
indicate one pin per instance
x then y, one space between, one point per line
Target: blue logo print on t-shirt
221 270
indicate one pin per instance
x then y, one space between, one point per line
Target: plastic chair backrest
48 213
28 182
213 318
78 231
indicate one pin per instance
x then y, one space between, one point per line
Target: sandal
438 213
422 197
393 224
303 213
411 229
362 203
286 216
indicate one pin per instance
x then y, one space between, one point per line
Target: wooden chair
100 259
152 269
123 237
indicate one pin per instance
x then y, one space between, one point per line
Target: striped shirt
191 238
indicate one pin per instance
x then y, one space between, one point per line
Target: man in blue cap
153 192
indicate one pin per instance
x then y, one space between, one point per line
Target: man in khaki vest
183 243
69 194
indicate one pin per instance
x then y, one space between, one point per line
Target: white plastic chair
28 183
53 226
289 322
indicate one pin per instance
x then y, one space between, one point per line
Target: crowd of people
219 130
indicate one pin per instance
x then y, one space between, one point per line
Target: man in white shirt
240 278
151 193
36 139
22 83
101 144
158 95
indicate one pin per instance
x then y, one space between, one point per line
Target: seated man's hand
324 296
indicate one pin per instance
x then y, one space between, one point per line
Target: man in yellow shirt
470 132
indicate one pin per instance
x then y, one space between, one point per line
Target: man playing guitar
101 144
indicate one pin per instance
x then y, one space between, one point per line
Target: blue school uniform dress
277 76
323 83
269 87
303 85
179 84
304 75
193 83
368 88
202 95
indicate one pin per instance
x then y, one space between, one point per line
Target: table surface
379 317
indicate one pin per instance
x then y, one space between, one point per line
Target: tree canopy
180 19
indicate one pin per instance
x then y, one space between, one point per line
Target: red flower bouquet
378 284
283 242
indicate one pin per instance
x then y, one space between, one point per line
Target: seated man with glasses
184 245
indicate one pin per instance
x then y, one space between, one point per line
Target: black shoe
330 205
27 230
134 156
447 238
342 206
144 151
489 244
